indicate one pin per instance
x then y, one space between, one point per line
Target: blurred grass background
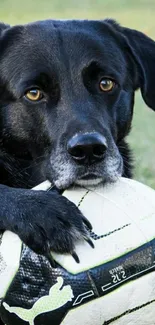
138 14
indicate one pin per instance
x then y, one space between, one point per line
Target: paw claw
51 260
76 258
89 241
87 223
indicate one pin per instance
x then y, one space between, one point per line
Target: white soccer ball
114 283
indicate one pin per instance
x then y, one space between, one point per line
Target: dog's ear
141 49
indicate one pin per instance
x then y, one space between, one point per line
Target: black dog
66 105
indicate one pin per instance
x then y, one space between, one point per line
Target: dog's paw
49 221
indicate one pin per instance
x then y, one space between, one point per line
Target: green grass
142 140
138 14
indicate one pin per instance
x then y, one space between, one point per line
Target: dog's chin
82 181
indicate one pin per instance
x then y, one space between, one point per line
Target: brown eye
34 95
107 84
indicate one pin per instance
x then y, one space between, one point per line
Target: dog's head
67 94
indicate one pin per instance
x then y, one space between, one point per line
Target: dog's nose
87 148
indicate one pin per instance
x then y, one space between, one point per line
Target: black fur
66 60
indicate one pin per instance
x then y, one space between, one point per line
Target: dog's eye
34 95
106 84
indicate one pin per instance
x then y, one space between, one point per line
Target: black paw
48 221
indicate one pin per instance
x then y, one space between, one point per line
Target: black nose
87 148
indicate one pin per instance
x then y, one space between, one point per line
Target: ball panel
9 259
132 265
34 284
77 195
122 216
43 186
130 195
132 303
